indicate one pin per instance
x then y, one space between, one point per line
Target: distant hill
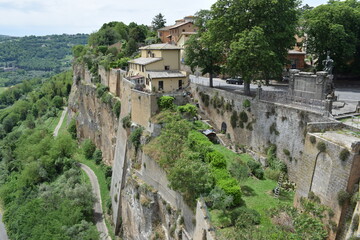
31 56
5 37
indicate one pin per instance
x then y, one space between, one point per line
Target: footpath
98 212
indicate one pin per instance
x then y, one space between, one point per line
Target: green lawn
230 155
257 195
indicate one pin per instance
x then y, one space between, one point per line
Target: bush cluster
166 102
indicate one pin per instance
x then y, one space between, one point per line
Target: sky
45 17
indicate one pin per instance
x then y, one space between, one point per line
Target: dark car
235 80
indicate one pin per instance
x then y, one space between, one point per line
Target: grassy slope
257 194
104 191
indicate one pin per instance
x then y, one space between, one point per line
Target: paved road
219 83
56 131
3 235
98 212
347 94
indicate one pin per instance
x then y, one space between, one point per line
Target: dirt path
98 212
56 131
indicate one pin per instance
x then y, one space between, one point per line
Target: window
143 68
167 67
183 30
180 84
161 85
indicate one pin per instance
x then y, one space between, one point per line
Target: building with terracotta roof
171 34
158 69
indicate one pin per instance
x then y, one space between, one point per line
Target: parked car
235 80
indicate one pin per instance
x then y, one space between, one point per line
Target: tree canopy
335 27
228 21
158 21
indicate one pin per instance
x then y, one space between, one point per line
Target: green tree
131 47
204 52
64 146
229 18
335 27
88 148
191 177
158 22
251 56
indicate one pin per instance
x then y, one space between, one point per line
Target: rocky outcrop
94 118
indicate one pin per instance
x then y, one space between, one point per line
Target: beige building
158 69
181 43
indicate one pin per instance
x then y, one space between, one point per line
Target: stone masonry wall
271 123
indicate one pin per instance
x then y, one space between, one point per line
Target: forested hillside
27 57
42 190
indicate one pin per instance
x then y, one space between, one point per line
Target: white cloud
39 17
71 16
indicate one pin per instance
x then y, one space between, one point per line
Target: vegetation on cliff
41 188
236 189
113 45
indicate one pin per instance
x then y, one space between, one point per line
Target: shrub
218 162
272 174
313 139
135 137
243 117
259 173
198 142
286 152
342 197
97 156
58 101
212 156
321 147
231 187
344 154
273 129
88 148
166 102
355 223
188 109
106 98
220 173
117 108
205 99
243 217
100 90
126 121
313 197
253 165
246 103
72 128
239 170
234 119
